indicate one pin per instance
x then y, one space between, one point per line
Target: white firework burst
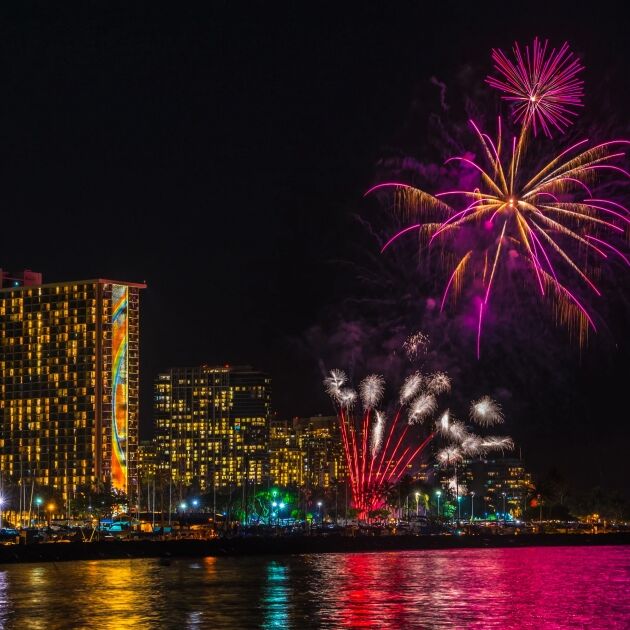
372 388
439 383
456 487
497 443
410 387
486 412
449 455
416 345
334 383
422 407
443 424
347 397
376 439
457 431
471 445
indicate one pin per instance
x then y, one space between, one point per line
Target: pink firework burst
543 85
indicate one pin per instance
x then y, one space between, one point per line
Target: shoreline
260 546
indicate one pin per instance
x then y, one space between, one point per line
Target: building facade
307 452
319 438
69 382
147 460
286 458
506 486
501 486
212 425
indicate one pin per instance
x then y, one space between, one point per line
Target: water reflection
276 597
494 588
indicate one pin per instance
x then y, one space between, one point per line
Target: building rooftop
40 285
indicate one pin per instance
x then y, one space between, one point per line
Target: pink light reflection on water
537 587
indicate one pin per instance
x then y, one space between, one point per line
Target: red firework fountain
377 456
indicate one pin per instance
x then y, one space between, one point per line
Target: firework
449 456
486 412
346 397
439 383
410 387
416 345
457 431
376 455
372 388
456 487
471 445
443 424
548 219
497 443
544 222
376 441
334 382
543 85
422 407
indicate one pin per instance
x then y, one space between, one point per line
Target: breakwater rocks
58 552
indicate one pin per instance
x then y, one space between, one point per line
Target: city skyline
314 315
239 190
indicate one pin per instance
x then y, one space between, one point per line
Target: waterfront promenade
281 545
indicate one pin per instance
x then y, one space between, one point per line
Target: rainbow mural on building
120 392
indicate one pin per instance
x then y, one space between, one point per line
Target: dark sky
220 155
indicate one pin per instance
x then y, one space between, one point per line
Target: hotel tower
69 369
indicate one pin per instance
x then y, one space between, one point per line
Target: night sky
221 156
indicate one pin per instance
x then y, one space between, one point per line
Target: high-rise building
506 483
147 460
319 439
286 458
497 483
212 425
69 372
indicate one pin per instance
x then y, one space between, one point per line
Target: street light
459 508
472 506
50 508
417 504
319 509
280 508
38 503
503 493
195 502
1 509
438 494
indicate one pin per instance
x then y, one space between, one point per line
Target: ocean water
536 587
